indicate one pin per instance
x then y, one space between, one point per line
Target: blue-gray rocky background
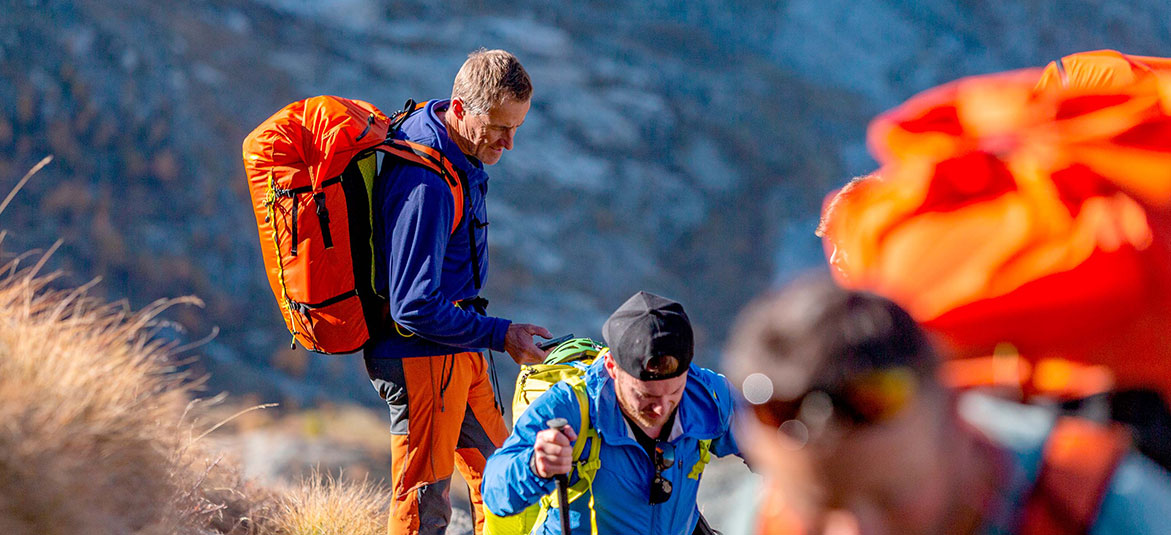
678 147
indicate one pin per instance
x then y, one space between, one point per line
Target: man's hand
553 452
518 342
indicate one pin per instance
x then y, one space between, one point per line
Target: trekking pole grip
562 479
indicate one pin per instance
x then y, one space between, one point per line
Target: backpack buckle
476 304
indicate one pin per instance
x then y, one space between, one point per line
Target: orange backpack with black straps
311 171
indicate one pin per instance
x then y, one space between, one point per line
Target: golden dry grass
325 506
92 433
98 432
95 434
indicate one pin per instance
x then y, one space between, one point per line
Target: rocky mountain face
678 147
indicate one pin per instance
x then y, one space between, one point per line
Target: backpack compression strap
1077 465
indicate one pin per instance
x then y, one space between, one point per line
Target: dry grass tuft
328 506
97 432
92 413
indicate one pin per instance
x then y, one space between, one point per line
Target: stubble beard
631 411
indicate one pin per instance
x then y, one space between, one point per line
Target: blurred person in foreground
658 420
856 434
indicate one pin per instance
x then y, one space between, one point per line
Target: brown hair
487 78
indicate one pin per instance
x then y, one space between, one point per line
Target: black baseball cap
650 337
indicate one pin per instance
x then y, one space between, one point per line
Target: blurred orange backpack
311 171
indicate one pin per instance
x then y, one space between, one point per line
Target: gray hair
489 77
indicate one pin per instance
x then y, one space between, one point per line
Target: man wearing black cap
658 421
651 346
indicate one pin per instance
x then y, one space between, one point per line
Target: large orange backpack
311 171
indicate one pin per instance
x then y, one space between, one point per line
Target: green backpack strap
705 452
586 468
705 456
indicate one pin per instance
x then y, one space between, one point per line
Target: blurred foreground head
849 415
815 349
855 434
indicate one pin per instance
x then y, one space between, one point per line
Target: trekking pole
562 480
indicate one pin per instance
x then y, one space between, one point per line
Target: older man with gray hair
431 258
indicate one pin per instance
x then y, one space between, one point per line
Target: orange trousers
443 415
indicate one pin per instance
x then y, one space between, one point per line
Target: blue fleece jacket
421 265
622 484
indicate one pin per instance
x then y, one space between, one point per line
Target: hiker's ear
610 365
457 107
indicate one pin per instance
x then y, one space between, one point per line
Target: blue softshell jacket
622 484
420 264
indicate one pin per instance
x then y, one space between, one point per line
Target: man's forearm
444 323
515 484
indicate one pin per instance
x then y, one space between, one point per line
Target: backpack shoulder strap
586 467
1076 468
434 160
577 384
430 158
705 456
